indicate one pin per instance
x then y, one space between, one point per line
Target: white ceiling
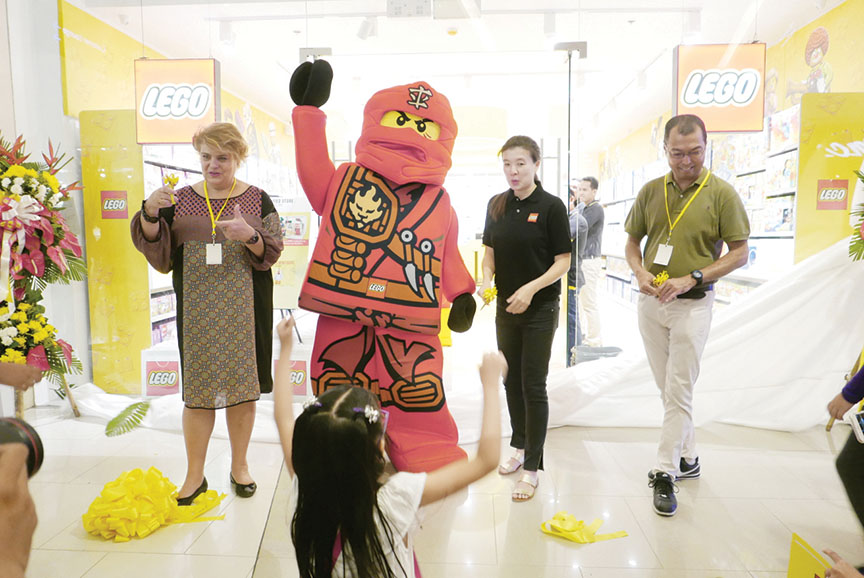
502 55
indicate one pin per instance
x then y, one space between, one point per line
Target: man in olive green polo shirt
686 216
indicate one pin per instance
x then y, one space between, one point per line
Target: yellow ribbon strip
137 504
6 240
564 525
684 210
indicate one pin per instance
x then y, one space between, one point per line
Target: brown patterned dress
224 312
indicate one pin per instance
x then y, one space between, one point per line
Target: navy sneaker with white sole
689 472
665 502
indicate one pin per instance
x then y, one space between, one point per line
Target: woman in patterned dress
219 238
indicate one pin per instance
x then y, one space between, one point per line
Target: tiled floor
736 521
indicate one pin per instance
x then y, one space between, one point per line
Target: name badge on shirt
532 217
664 254
214 253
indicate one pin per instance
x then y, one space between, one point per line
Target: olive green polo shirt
717 215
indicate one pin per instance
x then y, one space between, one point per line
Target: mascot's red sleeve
386 254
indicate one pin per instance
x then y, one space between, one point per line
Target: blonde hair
222 136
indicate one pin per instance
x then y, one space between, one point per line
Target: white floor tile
69 564
134 565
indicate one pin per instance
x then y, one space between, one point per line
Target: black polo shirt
525 241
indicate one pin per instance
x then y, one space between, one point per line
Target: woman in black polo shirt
527 239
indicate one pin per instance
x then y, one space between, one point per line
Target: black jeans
850 466
526 341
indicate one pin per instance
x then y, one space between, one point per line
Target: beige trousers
674 335
590 311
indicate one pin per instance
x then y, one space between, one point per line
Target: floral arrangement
856 243
36 248
27 337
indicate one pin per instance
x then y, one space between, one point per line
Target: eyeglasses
677 155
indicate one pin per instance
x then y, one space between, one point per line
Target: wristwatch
697 275
147 217
253 239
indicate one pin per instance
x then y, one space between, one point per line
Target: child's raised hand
285 331
492 369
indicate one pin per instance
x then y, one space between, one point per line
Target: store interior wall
36 85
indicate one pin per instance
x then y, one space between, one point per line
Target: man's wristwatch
147 217
697 275
253 239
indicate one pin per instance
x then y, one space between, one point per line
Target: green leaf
128 419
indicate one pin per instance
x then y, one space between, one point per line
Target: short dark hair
592 181
686 124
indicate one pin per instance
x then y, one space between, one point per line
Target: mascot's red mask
408 134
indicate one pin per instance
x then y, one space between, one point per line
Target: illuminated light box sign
723 84
174 98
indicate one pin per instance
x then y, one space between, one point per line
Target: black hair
338 461
686 124
592 181
519 141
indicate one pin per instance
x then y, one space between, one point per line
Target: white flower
371 414
7 341
18 180
40 193
16 189
5 183
56 199
34 183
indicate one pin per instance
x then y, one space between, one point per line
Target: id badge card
214 253
664 254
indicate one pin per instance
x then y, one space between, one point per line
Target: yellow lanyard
210 209
684 210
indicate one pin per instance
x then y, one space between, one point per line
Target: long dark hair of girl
499 202
338 460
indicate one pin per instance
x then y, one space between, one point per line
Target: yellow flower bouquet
27 337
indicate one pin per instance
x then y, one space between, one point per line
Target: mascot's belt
371 287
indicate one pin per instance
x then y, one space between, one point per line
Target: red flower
38 358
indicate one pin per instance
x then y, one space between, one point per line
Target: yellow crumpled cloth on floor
138 503
566 526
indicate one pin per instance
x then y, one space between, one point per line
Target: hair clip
312 401
370 413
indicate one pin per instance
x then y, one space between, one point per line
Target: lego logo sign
162 377
721 87
832 194
176 101
174 98
723 84
114 205
299 376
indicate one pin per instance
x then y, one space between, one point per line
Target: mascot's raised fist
310 83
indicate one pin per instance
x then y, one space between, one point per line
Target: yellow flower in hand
489 295
661 278
13 356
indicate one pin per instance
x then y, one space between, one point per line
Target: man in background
592 210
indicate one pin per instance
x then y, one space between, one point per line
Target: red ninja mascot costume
386 254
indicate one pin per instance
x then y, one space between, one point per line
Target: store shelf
749 172
783 152
780 194
163 317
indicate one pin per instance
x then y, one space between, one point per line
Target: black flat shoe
243 490
187 501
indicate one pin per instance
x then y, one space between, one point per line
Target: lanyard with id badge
214 249
664 250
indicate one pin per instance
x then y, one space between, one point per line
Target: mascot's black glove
462 313
310 83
